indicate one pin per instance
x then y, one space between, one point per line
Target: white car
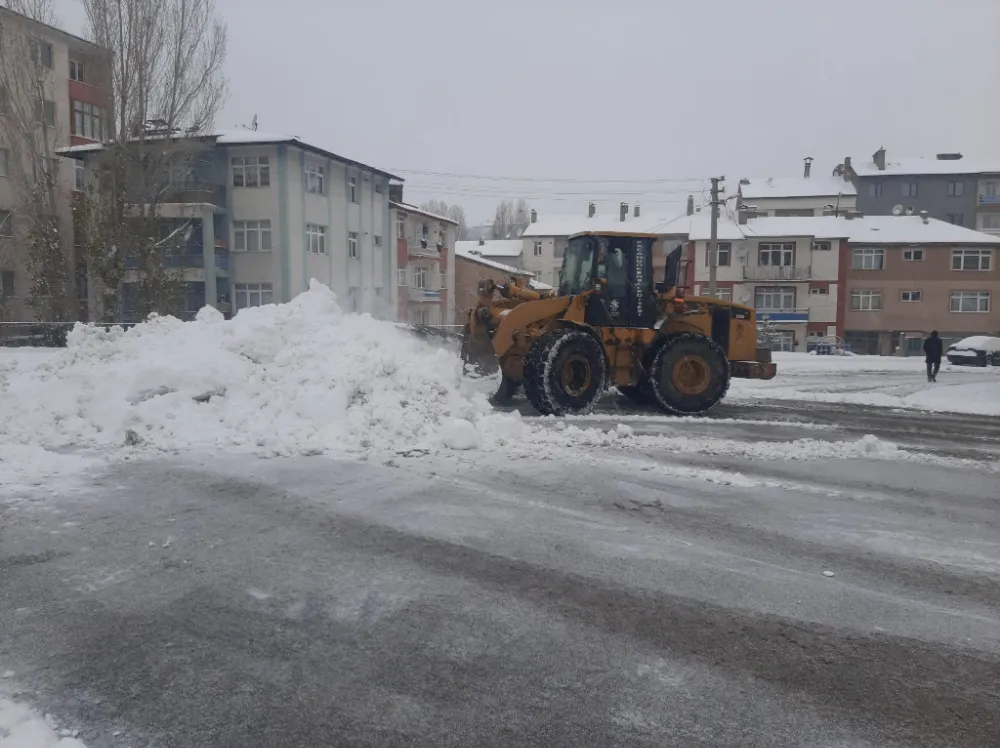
979 350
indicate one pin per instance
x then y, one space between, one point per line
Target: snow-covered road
302 528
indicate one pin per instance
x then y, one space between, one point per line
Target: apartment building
787 268
423 263
507 252
57 83
906 276
808 195
948 186
265 214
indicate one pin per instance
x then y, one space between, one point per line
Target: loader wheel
690 374
573 372
505 392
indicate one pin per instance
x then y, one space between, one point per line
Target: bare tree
168 84
37 234
503 220
454 212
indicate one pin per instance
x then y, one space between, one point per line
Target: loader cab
625 264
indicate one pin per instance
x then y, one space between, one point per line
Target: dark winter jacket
933 348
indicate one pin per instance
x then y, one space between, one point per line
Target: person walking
933 348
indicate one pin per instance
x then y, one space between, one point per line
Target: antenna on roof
253 125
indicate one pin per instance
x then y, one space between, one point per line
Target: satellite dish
897 210
744 297
909 210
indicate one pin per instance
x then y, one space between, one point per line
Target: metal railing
777 272
989 199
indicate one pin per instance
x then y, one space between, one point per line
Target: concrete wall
771 205
932 196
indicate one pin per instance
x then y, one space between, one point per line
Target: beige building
470 269
52 86
799 197
423 263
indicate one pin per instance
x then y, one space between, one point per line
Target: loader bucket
477 351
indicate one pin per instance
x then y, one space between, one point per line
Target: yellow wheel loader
610 324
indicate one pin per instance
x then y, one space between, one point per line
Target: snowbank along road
793 571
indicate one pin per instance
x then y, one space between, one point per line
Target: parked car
979 350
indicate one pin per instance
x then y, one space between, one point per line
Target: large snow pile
296 378
20 727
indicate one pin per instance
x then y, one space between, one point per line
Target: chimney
482 242
623 211
879 158
690 210
396 193
808 166
591 209
534 216
949 156
635 210
847 166
925 216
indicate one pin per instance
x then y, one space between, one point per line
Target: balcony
187 261
424 248
424 294
777 272
989 200
785 315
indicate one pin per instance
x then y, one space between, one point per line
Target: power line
518 192
572 180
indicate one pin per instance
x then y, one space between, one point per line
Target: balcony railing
784 315
424 294
186 260
777 272
989 199
423 248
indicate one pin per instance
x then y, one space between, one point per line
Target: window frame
377 241
400 276
42 109
353 251
979 254
784 249
37 45
537 248
995 216
253 227
821 246
352 190
315 239
913 255
79 176
910 189
263 292
915 296
77 71
859 294
956 189
874 189
865 253
418 278
315 178
400 225
771 292
256 164
979 297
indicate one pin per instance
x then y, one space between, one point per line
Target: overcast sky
589 91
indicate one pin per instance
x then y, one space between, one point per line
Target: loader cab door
628 300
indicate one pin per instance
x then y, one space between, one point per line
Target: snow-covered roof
778 187
492 247
420 211
466 254
870 230
929 166
568 225
539 286
820 227
239 136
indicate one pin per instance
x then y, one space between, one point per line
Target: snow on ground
21 727
886 381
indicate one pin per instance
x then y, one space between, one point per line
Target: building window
909 189
352 189
538 249
4 162
378 187
874 189
821 246
785 340
253 294
420 277
400 226
252 236
7 287
352 245
955 218
377 241
45 112
6 223
970 301
776 255
867 259
990 189
76 71
819 291
401 277
956 189
913 255
251 171
971 259
88 121
723 294
80 176
41 52
442 280
990 221
315 239
420 231
911 296
725 252
315 179
866 301
775 298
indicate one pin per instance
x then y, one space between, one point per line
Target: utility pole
713 243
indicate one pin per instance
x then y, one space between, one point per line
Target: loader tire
574 373
690 374
533 378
